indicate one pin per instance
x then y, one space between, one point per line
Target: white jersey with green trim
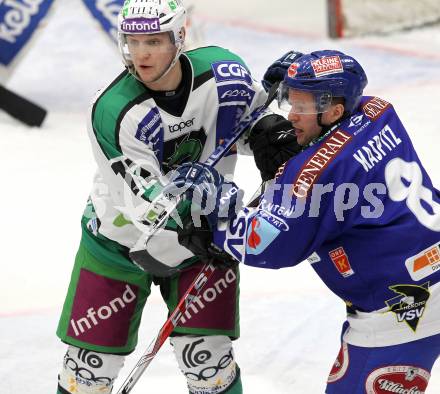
138 136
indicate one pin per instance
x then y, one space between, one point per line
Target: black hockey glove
199 241
273 143
277 70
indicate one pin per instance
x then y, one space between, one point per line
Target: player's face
151 54
305 123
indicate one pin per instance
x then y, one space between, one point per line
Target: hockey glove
273 142
277 70
214 197
199 241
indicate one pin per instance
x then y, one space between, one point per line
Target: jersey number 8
404 182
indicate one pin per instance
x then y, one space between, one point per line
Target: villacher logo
398 379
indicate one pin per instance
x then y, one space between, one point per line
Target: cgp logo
18 21
231 71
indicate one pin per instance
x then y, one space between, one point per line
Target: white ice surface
290 321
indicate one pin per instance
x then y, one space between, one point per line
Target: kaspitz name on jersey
377 148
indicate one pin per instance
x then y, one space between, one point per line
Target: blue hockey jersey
359 205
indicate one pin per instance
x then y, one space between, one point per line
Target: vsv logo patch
410 304
18 21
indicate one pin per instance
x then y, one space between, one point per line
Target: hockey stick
157 217
192 292
20 108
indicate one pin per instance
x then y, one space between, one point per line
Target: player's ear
183 33
336 112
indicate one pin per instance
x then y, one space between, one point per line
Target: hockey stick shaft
193 291
20 108
224 148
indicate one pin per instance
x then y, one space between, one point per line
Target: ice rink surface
290 322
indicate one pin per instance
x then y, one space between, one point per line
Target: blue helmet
328 74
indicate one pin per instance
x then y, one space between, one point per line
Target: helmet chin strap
319 119
324 128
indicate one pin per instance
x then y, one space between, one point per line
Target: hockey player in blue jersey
359 206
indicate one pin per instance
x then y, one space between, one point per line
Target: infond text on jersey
93 317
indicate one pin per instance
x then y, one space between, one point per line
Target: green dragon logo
188 148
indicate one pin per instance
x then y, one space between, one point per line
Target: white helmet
151 17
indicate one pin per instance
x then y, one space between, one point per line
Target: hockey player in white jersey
358 204
166 108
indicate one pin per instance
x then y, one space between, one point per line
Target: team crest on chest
183 149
